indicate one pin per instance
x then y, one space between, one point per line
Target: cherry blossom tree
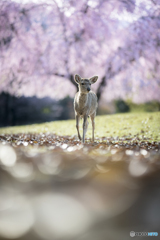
43 45
135 64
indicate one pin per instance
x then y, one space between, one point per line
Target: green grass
127 124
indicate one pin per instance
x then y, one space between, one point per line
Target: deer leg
85 126
93 125
77 126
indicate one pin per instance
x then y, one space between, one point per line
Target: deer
85 104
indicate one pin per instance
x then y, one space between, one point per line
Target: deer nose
88 89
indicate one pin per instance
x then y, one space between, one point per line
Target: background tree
43 45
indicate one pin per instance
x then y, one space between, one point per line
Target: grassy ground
146 125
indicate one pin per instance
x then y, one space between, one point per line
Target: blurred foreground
54 188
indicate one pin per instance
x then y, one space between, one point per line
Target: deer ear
77 78
93 79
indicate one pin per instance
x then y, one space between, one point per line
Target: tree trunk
71 78
101 87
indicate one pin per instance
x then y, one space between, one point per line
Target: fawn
85 104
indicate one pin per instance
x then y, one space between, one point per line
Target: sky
28 1
125 16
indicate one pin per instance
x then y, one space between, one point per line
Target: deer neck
83 99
